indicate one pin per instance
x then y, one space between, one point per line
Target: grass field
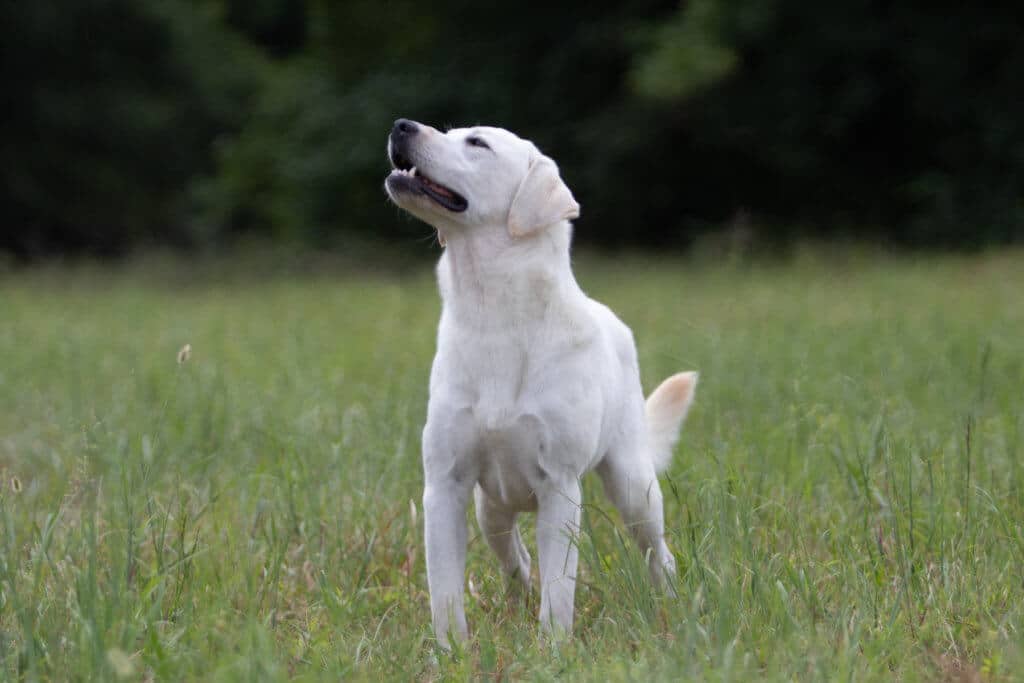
847 502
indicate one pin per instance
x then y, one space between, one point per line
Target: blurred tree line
130 122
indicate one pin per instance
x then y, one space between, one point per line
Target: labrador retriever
533 383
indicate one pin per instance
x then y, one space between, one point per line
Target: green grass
846 504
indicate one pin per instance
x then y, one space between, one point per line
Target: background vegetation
130 122
846 503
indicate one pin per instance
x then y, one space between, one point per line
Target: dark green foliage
188 123
110 107
865 113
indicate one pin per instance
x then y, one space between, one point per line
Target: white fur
533 384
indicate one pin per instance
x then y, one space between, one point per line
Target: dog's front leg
444 518
449 473
558 520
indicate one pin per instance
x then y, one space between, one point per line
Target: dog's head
475 177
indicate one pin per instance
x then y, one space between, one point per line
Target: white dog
534 383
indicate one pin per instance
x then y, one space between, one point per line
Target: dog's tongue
440 189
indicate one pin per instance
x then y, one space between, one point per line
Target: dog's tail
666 409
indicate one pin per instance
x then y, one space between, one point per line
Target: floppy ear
541 200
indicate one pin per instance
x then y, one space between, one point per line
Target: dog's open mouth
409 178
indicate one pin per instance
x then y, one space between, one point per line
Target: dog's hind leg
498 525
632 485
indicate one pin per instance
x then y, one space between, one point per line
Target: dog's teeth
412 171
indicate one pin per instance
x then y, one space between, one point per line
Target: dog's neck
489 278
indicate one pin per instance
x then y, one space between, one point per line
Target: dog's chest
509 457
504 387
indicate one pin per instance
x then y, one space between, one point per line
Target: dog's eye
477 142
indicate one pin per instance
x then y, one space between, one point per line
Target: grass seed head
184 354
120 662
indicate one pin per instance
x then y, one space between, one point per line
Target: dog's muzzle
406 178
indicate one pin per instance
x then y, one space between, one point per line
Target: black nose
404 128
